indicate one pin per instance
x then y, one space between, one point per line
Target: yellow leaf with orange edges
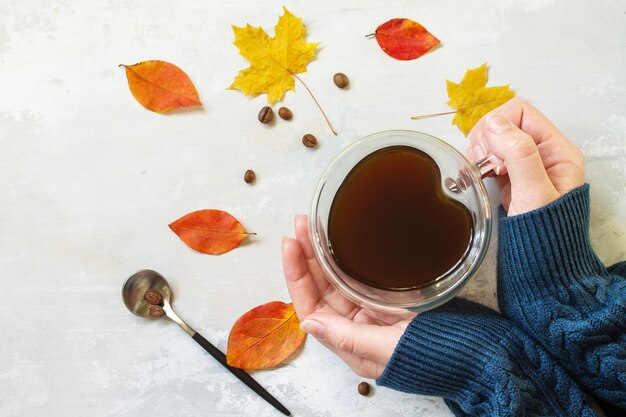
161 86
273 61
264 337
472 99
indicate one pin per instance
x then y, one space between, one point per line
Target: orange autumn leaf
404 39
210 231
264 337
160 86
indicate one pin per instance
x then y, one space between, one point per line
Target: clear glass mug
461 181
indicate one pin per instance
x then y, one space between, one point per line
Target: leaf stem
370 35
316 102
426 116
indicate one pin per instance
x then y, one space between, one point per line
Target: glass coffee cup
461 181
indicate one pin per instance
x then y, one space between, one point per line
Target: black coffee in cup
392 227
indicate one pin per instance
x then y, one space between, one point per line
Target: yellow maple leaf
273 61
472 99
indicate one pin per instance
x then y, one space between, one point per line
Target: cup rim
316 238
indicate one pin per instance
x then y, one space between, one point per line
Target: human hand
462 351
364 339
538 163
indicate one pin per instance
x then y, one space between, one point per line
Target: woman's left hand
365 340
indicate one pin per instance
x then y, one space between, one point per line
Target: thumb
530 184
368 341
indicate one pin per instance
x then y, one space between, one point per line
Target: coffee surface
390 224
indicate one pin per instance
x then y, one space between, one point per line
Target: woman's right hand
538 164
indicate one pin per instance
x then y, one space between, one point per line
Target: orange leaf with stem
210 231
160 86
264 337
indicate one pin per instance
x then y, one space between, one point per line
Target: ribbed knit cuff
445 355
475 358
549 246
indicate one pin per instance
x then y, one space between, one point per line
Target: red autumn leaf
160 86
264 336
404 39
210 231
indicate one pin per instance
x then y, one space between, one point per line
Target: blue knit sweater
561 334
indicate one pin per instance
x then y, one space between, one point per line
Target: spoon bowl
136 287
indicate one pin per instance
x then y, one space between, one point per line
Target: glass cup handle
488 165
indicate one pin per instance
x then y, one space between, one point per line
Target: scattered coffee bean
341 80
154 298
266 115
364 388
155 311
285 113
249 176
309 140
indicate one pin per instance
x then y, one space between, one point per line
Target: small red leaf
404 39
210 231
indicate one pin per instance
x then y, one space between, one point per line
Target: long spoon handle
240 373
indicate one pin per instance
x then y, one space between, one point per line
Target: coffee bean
249 176
364 388
266 115
285 113
309 140
341 80
155 311
153 297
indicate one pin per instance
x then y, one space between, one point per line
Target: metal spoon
145 280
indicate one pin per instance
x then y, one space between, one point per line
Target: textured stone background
89 180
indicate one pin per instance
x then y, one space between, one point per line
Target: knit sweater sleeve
551 284
482 365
